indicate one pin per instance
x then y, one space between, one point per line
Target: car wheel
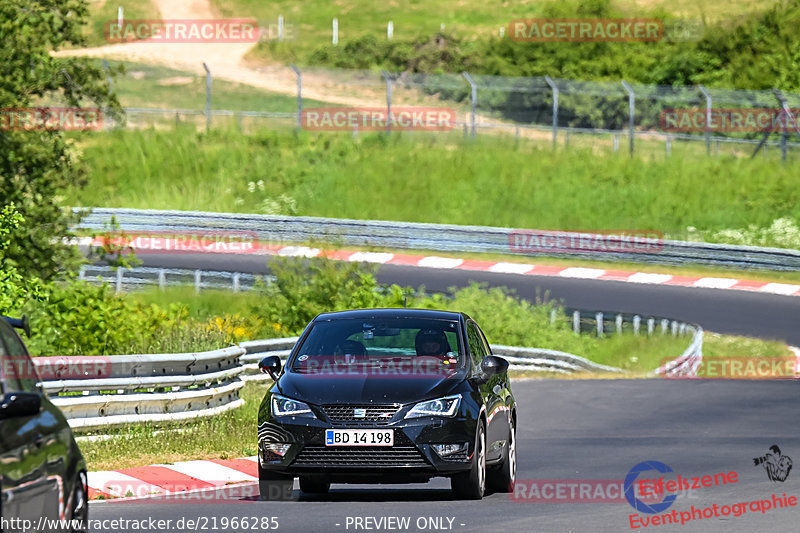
503 478
274 487
79 506
471 485
314 485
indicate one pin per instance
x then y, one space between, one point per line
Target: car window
17 371
476 347
384 339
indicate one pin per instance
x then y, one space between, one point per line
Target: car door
501 386
31 486
493 401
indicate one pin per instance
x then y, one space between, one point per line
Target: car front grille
376 414
397 456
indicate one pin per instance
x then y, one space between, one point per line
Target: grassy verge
486 181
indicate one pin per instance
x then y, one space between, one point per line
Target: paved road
570 430
738 312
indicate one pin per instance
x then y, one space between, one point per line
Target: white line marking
780 288
645 277
510 268
210 472
119 484
439 262
578 272
715 283
371 257
298 251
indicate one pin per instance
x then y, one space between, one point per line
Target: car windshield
383 341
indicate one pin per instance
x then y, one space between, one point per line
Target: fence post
208 96
554 88
299 94
335 38
708 118
598 317
631 110
637 320
616 142
119 280
474 97
197 281
280 28
619 324
388 78
576 322
390 30
162 279
236 281
668 146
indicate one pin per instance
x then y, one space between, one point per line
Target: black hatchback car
42 471
388 396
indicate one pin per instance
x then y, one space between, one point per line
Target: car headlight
282 406
447 406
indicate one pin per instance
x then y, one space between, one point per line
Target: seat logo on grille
359 413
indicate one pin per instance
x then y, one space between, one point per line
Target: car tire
79 506
314 485
471 485
274 487
504 476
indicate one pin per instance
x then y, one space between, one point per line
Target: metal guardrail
145 388
419 236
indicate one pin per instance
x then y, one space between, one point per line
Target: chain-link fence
614 114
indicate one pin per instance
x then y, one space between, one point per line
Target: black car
42 471
388 396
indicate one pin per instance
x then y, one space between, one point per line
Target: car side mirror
492 365
17 404
270 365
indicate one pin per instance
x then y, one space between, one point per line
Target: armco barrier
418 236
146 388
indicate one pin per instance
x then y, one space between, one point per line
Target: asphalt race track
569 430
753 314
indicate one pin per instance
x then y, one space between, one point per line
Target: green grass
466 19
487 181
102 11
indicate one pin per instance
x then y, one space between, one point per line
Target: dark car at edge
388 396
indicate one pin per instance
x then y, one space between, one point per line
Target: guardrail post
599 319
708 118
82 273
236 276
299 94
208 96
119 280
619 324
388 79
664 325
576 322
552 316
162 279
197 281
554 88
637 320
631 111
674 327
474 97
651 325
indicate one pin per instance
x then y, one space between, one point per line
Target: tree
36 167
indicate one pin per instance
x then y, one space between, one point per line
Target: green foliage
77 318
36 167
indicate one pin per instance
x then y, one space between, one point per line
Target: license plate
359 437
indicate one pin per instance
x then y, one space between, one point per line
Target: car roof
391 313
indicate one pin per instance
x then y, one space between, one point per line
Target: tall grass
443 179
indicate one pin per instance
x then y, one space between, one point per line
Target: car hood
365 390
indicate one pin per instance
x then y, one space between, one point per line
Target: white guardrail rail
442 237
172 387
